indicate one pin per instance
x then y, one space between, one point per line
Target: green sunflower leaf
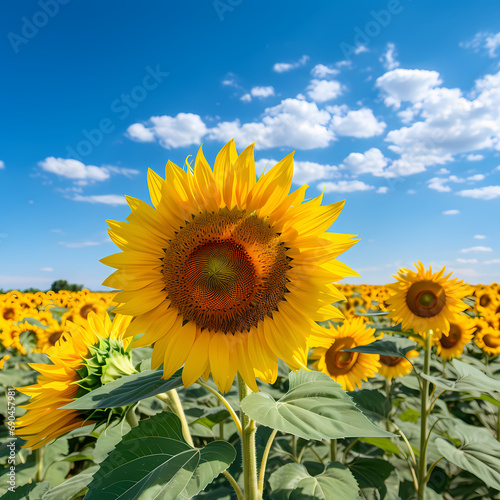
396 349
293 481
315 407
126 390
478 452
154 461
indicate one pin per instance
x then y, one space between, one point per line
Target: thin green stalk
248 429
39 464
235 485
224 401
349 448
265 456
333 450
171 398
424 413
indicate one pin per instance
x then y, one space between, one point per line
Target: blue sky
393 106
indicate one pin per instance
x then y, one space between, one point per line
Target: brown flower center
484 300
426 298
86 309
226 271
454 335
9 313
492 340
337 361
390 360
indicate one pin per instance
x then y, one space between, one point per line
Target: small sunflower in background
349 369
423 300
83 359
393 366
226 273
488 339
451 344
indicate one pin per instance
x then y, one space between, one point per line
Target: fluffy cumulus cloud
345 186
321 71
445 122
177 131
484 41
451 212
284 67
370 162
441 183
259 92
292 123
324 90
359 123
476 249
482 193
407 85
304 172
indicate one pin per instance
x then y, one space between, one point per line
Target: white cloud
483 193
476 249
107 199
321 71
360 49
370 162
475 178
324 90
293 123
411 191
406 85
2 165
262 92
479 237
443 171
46 269
304 172
382 190
359 123
472 157
246 97
467 261
451 212
74 169
178 131
439 184
138 132
388 59
484 41
344 186
284 67
492 261
81 244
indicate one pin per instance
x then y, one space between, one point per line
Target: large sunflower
226 273
451 344
424 300
83 359
349 369
393 366
488 339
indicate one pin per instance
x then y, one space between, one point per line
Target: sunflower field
231 360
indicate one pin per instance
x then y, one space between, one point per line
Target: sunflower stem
498 425
424 413
333 450
248 430
131 417
263 463
171 398
39 464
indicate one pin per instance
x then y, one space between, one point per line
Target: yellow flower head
392 366
488 339
451 344
349 369
225 273
83 359
423 300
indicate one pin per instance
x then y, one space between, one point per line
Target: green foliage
315 407
293 481
154 461
396 349
59 285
